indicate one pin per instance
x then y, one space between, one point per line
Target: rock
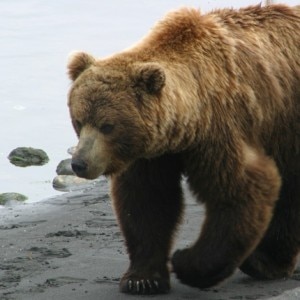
65 168
71 150
26 156
66 183
11 197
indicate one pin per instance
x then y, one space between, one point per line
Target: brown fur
215 97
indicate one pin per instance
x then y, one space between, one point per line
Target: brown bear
214 97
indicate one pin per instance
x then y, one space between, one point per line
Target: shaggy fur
214 97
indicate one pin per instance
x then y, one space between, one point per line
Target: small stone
71 150
27 156
66 183
11 197
65 168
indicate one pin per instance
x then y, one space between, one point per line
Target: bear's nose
79 166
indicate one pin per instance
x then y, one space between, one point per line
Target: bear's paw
198 271
261 265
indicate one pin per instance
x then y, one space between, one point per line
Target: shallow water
35 38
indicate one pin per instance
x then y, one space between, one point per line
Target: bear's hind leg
148 203
276 255
237 217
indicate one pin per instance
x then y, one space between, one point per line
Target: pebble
64 167
67 183
71 150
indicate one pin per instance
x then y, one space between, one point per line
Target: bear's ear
78 62
151 77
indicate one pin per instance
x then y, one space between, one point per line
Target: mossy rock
27 156
7 197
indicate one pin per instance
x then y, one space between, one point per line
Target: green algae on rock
27 156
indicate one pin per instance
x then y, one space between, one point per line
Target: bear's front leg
148 202
237 216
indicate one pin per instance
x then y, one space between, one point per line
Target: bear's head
113 106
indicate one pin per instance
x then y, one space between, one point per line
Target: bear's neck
189 112
182 120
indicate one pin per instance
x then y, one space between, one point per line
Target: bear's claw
144 286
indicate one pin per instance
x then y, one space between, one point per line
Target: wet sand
70 247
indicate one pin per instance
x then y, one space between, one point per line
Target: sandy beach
70 247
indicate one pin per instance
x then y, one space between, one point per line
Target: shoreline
70 247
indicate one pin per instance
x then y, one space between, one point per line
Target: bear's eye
77 125
106 128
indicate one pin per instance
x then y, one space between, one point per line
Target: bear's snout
79 166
